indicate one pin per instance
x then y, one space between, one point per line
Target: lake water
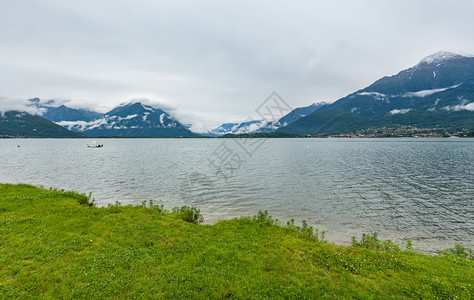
417 189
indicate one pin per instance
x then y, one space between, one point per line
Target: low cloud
375 95
469 107
8 104
400 111
193 121
425 93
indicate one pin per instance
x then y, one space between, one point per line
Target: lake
414 188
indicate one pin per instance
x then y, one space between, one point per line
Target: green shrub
409 246
459 251
114 208
155 207
265 218
372 242
189 214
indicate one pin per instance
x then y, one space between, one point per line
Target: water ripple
418 189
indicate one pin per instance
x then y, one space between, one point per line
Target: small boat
94 144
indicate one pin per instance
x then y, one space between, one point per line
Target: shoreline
215 220
55 244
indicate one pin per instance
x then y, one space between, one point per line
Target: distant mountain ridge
437 92
301 112
62 112
131 120
237 128
262 126
22 124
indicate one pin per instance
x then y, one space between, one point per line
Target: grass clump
189 214
81 198
51 246
263 218
307 230
372 242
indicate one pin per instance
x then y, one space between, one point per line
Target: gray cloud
19 105
214 61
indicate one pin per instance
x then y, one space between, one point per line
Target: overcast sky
214 61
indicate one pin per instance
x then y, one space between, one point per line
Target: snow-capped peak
147 107
439 57
318 104
135 104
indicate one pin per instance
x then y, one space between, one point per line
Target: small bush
409 246
459 251
265 218
372 242
155 207
114 208
189 214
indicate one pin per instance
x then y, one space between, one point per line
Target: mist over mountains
128 120
438 92
22 124
263 126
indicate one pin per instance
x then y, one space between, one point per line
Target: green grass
53 246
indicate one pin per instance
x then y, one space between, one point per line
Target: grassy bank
52 245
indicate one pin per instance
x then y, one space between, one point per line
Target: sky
210 62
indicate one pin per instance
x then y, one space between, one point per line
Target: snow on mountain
77 126
237 128
22 124
262 126
438 91
439 57
132 119
224 129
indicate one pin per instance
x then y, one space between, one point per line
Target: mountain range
139 120
262 126
129 120
62 113
22 124
438 92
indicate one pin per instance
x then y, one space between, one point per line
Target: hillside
437 92
22 124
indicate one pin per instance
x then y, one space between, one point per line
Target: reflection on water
418 189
